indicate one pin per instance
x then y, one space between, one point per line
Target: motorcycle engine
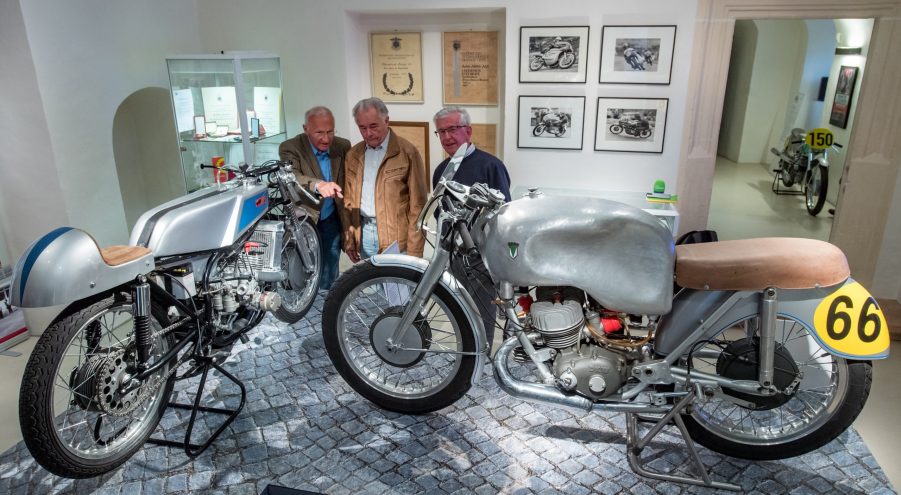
240 279
580 363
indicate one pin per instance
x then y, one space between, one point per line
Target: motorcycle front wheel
616 129
360 314
829 392
299 290
74 422
538 130
567 60
817 186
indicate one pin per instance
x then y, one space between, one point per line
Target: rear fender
65 265
457 292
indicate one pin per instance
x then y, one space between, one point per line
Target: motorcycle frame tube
457 292
768 302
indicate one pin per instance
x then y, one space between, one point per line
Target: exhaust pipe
549 394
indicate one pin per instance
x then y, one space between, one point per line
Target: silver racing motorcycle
761 350
198 273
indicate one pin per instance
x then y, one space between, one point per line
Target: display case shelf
225 94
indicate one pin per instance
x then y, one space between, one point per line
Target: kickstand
192 449
636 445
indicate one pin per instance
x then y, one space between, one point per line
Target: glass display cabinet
228 111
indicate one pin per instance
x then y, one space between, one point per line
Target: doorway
783 76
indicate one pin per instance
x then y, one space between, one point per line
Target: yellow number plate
851 323
819 139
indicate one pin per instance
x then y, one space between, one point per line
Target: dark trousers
329 249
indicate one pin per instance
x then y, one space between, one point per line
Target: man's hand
353 254
329 189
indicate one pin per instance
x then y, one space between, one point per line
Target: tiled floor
303 427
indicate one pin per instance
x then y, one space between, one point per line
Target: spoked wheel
299 290
427 370
823 394
616 129
567 60
535 62
644 133
557 130
538 130
79 416
817 186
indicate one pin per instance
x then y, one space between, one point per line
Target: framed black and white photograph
557 54
637 54
551 122
631 124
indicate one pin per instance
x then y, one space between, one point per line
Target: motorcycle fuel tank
622 256
206 219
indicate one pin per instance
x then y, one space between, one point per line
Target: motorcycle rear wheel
406 381
535 63
62 425
299 290
831 393
644 133
538 130
816 187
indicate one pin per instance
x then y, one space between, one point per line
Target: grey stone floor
303 427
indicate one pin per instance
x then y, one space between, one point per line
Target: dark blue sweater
479 167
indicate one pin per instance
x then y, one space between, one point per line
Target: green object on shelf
659 186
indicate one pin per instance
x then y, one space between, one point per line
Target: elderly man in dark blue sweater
452 128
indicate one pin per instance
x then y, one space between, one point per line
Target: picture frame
396 66
551 122
637 54
636 125
470 67
416 133
543 58
844 93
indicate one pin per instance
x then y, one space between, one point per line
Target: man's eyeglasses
450 130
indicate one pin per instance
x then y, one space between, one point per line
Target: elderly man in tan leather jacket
385 187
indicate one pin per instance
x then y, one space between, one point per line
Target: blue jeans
329 249
369 238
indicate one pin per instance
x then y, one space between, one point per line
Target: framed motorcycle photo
631 124
637 54
551 122
554 54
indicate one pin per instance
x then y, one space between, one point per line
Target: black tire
785 174
57 363
567 59
817 185
644 133
535 63
538 130
831 393
302 285
348 325
616 129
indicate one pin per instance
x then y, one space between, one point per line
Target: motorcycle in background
802 163
198 273
765 357
556 56
632 127
552 123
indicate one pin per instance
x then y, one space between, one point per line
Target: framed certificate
396 60
470 67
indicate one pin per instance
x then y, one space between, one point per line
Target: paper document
267 103
220 105
183 101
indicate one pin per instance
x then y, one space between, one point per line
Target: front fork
421 294
767 340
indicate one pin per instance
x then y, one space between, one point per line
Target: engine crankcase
597 372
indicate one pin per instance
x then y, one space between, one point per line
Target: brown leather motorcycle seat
755 264
119 255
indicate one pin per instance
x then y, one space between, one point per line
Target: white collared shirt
372 161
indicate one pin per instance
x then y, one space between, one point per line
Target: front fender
65 265
455 289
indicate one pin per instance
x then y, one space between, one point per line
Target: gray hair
368 103
315 112
448 111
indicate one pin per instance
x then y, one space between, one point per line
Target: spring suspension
143 334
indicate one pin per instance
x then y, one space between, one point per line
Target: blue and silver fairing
65 265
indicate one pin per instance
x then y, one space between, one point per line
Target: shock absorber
141 308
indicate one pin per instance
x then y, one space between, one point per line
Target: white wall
735 102
817 62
